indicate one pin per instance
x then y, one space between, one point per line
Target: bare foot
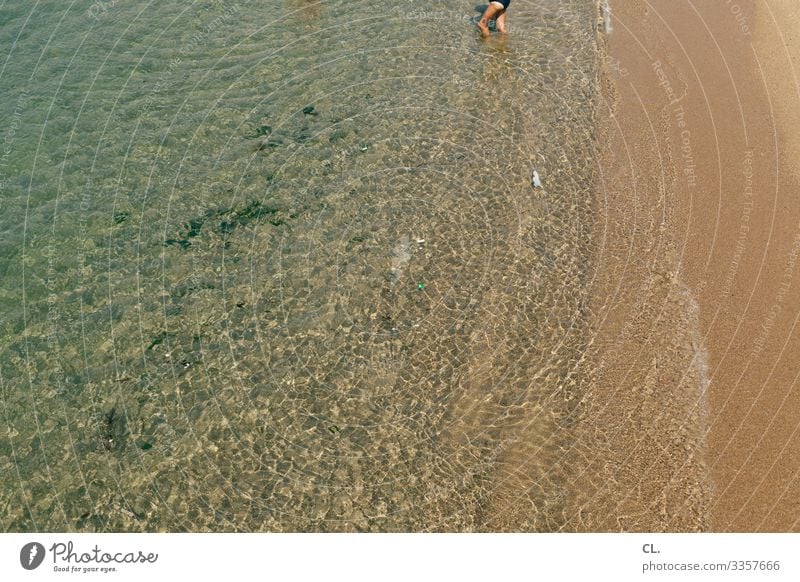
483 28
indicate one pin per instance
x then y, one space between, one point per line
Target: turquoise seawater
279 265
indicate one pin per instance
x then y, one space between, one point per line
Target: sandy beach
692 424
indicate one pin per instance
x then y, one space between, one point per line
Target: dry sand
694 419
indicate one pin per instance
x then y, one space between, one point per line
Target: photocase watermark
780 296
666 85
66 558
14 123
678 112
744 223
615 65
100 8
741 20
31 555
84 205
438 15
53 317
377 363
568 19
167 78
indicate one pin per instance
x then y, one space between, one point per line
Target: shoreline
644 446
692 246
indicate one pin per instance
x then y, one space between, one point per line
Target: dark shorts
499 3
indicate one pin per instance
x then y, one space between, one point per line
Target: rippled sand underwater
292 275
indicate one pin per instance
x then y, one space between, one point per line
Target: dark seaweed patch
193 227
158 340
183 243
218 211
113 430
254 211
226 227
183 289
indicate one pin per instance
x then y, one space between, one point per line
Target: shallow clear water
279 265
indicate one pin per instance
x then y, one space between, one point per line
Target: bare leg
500 21
483 23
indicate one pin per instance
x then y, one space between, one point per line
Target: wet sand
692 423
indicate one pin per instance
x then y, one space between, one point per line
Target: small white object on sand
537 183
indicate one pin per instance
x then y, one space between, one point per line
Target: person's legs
491 11
500 21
